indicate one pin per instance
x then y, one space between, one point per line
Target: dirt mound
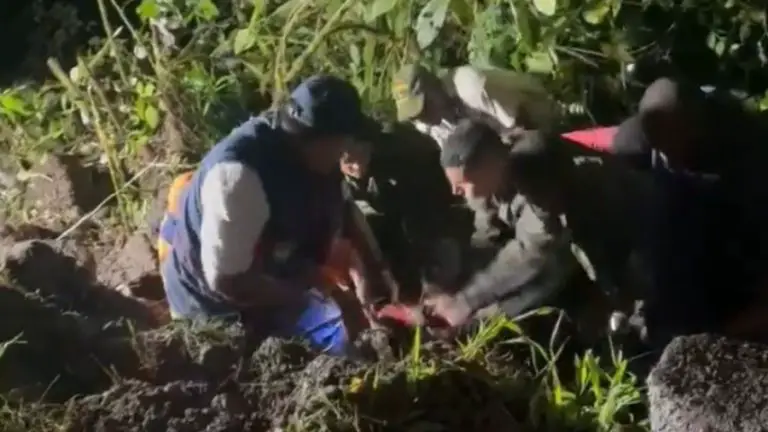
62 271
72 330
62 188
60 354
132 269
285 385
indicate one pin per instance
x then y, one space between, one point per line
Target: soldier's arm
235 212
538 259
377 277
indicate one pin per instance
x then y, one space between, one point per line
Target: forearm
360 234
372 266
516 270
538 258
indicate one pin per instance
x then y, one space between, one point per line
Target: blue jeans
320 323
314 317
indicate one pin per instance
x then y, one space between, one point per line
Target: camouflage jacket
541 250
405 184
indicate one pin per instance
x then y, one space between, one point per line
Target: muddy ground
98 353
119 368
96 343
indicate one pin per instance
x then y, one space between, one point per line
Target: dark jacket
595 228
406 199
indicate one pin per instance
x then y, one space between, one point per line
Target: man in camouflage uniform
548 218
503 99
395 179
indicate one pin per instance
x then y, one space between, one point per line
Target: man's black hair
469 142
531 152
671 96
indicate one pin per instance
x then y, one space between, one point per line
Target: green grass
600 396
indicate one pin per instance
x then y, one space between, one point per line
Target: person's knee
322 325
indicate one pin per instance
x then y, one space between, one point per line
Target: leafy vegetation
170 77
168 83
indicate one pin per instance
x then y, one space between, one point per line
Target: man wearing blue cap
246 235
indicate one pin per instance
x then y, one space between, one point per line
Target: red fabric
596 138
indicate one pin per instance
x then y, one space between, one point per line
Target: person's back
502 99
695 257
259 144
700 131
605 206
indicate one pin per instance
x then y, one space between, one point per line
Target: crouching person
247 235
406 208
548 226
529 260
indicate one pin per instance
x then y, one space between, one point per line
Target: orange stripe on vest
172 206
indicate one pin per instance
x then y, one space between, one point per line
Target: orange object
177 188
600 138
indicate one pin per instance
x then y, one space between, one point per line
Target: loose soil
98 352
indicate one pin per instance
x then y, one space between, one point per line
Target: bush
203 66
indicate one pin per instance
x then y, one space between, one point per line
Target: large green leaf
540 62
523 22
380 7
546 7
596 12
148 9
243 41
152 117
431 19
206 10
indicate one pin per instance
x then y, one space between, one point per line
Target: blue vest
305 209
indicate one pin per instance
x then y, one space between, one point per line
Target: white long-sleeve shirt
235 211
498 93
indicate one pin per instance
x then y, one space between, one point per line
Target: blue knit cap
328 105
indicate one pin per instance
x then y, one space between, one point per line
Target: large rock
709 383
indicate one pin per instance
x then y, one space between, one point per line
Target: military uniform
529 254
503 99
408 204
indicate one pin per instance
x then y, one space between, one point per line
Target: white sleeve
234 212
471 89
502 94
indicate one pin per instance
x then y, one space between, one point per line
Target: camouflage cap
408 91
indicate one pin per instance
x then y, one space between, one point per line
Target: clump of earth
95 349
117 366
